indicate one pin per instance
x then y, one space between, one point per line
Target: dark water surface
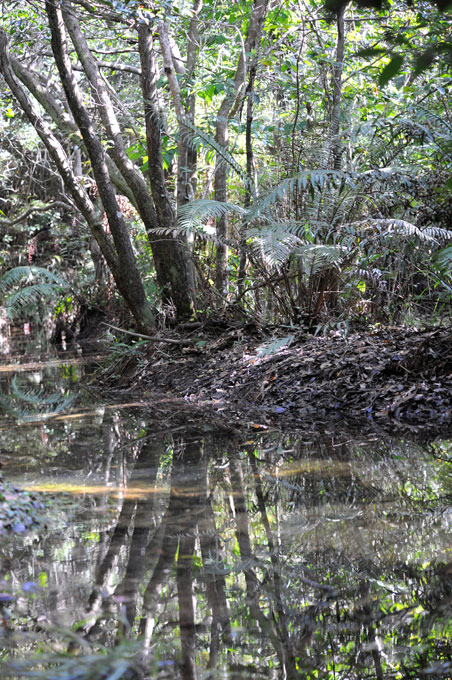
183 553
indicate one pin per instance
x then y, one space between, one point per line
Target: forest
226 351
266 168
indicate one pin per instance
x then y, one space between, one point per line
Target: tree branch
30 211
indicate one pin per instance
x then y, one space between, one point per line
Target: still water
171 550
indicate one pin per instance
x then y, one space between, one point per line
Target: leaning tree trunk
130 285
176 261
127 277
171 260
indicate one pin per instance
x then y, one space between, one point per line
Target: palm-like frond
273 245
30 295
308 180
194 136
395 227
316 257
28 275
195 215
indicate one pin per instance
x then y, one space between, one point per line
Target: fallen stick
151 338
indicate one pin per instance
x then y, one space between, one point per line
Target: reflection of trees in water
245 563
277 558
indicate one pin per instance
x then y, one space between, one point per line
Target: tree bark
335 136
165 251
176 261
127 277
249 175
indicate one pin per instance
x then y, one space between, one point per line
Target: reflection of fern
28 404
37 283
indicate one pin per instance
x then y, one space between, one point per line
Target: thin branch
27 213
152 338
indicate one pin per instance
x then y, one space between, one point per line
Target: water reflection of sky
269 555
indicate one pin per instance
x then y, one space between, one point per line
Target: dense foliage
289 162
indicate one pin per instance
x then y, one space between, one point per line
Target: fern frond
312 180
394 227
275 346
30 295
273 246
195 214
28 274
316 257
195 136
370 274
47 285
438 233
444 258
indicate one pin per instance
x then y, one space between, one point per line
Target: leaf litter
392 378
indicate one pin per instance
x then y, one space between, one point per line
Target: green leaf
423 61
391 69
370 52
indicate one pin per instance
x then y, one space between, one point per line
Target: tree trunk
335 154
165 251
123 263
129 286
229 106
176 254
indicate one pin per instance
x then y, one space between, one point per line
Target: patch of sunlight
131 492
312 465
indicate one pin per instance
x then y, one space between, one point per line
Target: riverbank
396 379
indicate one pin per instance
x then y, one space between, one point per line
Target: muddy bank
394 379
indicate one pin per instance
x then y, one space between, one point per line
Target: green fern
37 284
196 136
274 243
28 274
315 258
402 228
444 258
193 216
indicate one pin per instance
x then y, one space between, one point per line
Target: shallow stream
180 551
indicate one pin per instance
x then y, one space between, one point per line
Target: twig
27 213
152 338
